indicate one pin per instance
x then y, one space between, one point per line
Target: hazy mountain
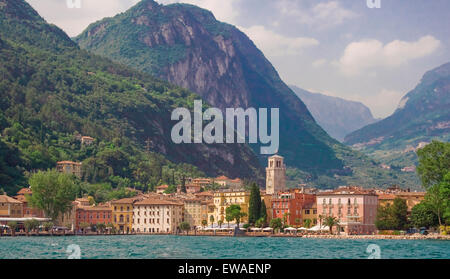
337 116
422 115
50 90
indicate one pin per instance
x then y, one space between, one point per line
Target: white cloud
383 103
319 63
223 10
274 44
370 54
321 15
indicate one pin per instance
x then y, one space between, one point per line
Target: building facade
157 216
290 206
354 207
224 199
122 214
275 175
10 208
92 215
70 167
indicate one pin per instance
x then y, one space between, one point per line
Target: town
229 210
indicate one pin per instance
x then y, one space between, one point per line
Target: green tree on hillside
434 163
53 192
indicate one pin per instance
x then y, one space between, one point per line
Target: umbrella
256 229
267 229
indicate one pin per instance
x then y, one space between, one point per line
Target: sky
339 48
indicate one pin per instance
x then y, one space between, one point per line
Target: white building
157 216
275 175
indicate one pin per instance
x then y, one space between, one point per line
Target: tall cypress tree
254 207
263 214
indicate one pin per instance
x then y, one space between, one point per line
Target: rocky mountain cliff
187 46
422 115
50 90
337 116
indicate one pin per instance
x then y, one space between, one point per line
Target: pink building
354 207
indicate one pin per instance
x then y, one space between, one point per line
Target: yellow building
10 208
122 214
224 199
193 211
309 212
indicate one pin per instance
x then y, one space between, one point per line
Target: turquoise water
182 247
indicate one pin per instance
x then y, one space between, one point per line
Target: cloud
223 10
274 44
319 63
320 15
370 54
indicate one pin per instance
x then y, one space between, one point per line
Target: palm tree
211 219
285 217
204 223
321 217
220 222
297 221
331 221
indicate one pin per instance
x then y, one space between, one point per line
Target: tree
254 207
263 211
31 225
53 192
228 218
235 213
183 184
276 224
12 227
84 226
204 223
436 201
434 163
321 217
400 214
331 221
185 226
48 227
423 216
307 223
297 221
286 215
211 219
383 220
260 223
101 227
220 222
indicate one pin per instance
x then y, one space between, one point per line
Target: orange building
92 215
290 205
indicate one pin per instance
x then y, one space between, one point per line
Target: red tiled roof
6 199
157 202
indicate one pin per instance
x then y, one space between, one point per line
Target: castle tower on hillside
275 175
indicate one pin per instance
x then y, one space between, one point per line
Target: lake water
182 247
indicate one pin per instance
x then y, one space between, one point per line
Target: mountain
187 46
337 116
51 91
422 115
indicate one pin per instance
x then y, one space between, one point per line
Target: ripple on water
182 247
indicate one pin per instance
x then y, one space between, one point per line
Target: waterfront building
275 175
290 206
10 207
69 167
412 198
92 215
267 199
28 210
122 214
309 212
354 207
225 198
157 216
193 208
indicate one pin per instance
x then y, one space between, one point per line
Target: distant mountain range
337 116
422 115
